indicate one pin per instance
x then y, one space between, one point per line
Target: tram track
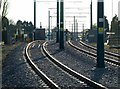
92 52
59 78
117 56
57 75
89 82
49 82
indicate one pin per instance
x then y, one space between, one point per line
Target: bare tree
11 22
0 4
4 8
0 17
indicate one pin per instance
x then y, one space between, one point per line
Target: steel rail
49 82
77 75
94 55
109 53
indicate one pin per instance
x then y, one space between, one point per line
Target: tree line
3 13
15 31
115 30
11 30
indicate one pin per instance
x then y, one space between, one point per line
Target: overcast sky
24 10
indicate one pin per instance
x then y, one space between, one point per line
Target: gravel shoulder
16 73
85 65
6 49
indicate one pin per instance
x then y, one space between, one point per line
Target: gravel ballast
85 65
17 74
78 44
106 47
57 75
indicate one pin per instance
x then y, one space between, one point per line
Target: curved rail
94 55
109 53
49 82
72 72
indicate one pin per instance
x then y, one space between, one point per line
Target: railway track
106 52
88 81
48 81
49 72
61 78
109 57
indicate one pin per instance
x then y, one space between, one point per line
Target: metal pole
40 25
34 19
83 38
48 25
74 27
100 34
72 32
34 14
61 24
51 23
77 30
57 35
91 15
119 24
112 8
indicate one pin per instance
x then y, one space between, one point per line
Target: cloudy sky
24 10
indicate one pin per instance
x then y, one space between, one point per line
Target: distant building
39 34
92 35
